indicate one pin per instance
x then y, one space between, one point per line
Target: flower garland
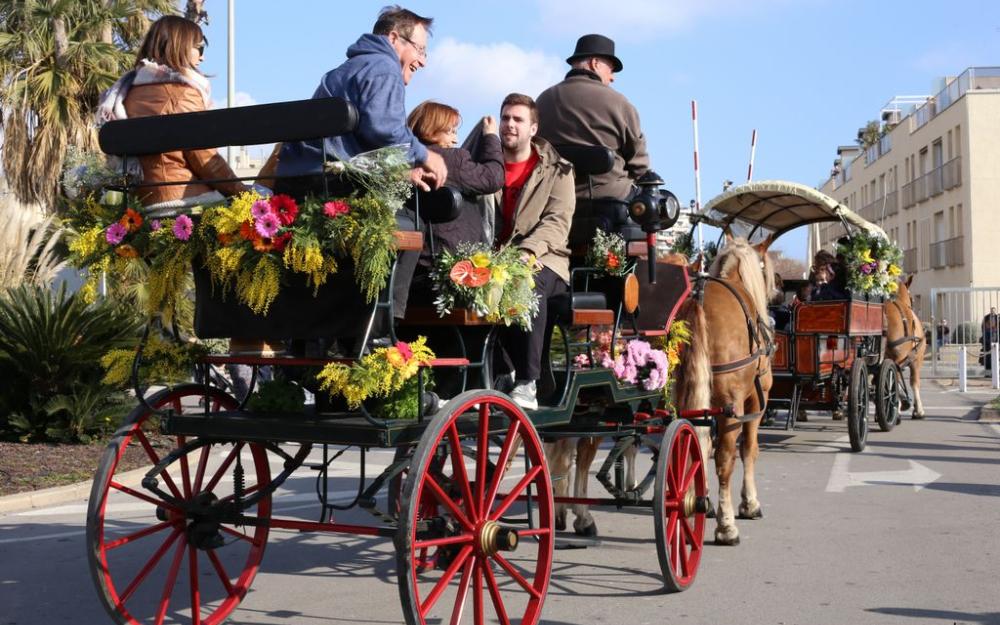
872 264
607 254
381 373
495 284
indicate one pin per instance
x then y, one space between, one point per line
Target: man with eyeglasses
584 109
373 78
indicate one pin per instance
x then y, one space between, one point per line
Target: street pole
231 67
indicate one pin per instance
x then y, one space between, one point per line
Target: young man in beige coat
533 213
584 109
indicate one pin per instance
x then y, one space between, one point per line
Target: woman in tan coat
166 80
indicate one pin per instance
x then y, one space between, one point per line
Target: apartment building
931 179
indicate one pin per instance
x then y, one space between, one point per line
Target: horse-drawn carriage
467 500
825 352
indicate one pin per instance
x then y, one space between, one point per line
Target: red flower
281 241
224 239
460 272
131 220
404 350
285 208
478 277
613 261
247 231
336 208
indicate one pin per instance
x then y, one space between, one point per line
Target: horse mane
740 262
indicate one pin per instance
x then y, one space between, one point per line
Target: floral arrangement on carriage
608 254
251 245
495 284
872 264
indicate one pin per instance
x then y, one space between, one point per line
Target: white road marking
841 478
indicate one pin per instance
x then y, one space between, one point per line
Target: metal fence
965 313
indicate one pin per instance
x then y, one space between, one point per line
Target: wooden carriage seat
580 308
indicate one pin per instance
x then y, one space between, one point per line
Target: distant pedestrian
943 331
991 323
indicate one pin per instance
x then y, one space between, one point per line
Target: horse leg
749 450
726 532
586 449
630 455
704 434
918 404
560 455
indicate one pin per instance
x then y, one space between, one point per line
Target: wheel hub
493 538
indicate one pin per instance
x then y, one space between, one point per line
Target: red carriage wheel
679 505
176 553
485 562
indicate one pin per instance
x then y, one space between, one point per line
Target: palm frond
28 252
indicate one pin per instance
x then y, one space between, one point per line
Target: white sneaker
525 395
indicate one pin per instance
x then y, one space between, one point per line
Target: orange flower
131 220
460 272
478 277
126 251
613 262
247 231
263 244
224 239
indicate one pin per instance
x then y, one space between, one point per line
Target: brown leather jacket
179 166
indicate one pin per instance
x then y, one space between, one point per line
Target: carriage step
593 317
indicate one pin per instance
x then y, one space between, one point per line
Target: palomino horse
905 344
727 365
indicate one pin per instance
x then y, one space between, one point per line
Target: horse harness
907 336
761 343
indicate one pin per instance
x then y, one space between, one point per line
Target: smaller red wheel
679 506
485 561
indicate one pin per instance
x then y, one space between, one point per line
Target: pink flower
267 225
404 350
581 360
260 208
336 208
183 227
115 233
155 225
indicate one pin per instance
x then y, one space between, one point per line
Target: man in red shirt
534 213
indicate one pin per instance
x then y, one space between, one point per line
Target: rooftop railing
970 79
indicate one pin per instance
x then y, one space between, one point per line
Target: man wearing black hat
584 109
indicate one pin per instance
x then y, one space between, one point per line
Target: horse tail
694 376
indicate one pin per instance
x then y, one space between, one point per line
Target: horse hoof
589 531
711 512
751 516
561 523
904 405
729 541
918 416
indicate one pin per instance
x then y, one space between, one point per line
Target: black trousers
525 347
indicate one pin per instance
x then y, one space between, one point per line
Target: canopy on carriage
773 207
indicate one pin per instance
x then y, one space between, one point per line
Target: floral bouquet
872 264
379 374
639 362
607 254
496 285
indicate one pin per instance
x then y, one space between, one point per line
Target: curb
79 492
989 415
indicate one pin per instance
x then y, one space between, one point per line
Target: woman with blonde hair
165 80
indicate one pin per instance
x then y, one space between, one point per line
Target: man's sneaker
525 395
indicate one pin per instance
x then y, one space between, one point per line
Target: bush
966 332
50 350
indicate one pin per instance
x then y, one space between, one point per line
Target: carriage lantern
654 209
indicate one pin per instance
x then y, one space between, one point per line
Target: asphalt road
905 532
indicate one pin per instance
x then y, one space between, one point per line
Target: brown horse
727 365
905 344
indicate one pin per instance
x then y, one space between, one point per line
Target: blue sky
806 73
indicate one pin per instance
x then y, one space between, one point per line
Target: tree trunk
61 39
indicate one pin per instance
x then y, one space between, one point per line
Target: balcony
947 253
972 78
873 210
952 173
910 260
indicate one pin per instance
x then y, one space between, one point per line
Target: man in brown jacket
584 109
534 211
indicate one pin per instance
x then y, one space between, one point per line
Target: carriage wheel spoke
443 497
463 590
185 470
459 473
155 459
124 540
491 584
150 564
689 534
246 491
442 583
477 594
168 585
134 493
236 534
517 577
672 525
225 465
461 539
689 478
482 455
220 571
539 531
195 589
515 492
505 451
199 475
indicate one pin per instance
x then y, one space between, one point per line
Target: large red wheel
477 489
679 505
177 556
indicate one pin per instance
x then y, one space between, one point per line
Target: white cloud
639 19
242 99
474 78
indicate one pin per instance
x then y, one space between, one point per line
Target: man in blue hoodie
374 78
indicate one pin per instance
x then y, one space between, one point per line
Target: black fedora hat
596 45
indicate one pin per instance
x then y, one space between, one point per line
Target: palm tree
56 57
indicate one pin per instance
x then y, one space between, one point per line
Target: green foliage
277 395
76 417
50 346
966 332
163 362
405 403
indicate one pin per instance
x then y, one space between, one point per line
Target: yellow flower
395 358
500 274
480 259
894 270
89 242
866 257
892 287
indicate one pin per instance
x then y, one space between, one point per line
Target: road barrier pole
963 382
994 349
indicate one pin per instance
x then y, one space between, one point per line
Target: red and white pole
753 150
697 170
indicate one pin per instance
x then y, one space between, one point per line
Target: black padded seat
587 160
562 306
437 206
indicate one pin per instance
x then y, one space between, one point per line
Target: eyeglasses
421 50
201 48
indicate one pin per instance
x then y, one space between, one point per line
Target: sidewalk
20 502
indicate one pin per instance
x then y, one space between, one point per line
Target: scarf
112 102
